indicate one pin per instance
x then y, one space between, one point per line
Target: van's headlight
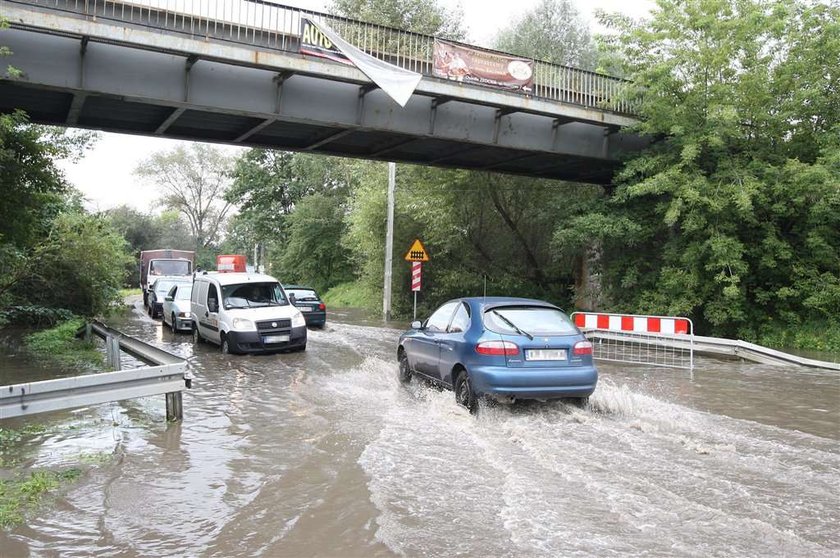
242 324
298 320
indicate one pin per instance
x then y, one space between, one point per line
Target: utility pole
389 242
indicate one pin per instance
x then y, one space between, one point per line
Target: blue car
499 347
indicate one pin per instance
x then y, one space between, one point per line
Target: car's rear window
302 294
535 320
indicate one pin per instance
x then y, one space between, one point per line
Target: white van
245 313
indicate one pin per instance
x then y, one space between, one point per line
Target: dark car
499 347
309 303
158 292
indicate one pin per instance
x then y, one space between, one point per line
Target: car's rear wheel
464 394
405 370
582 402
196 335
172 324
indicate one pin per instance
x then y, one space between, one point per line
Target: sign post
416 255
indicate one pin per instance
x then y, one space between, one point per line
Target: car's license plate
305 309
545 354
276 339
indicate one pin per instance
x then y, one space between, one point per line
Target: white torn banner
397 82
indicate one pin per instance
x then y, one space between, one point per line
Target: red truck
163 263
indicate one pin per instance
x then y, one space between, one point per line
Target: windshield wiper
511 324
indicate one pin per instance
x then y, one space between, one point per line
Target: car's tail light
582 348
322 306
497 348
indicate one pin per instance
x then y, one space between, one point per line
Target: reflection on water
324 453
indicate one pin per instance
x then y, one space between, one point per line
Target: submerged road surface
324 453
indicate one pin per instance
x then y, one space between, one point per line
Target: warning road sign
417 252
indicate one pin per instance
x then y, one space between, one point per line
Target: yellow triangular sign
417 252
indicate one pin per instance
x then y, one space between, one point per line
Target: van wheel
464 394
225 345
196 336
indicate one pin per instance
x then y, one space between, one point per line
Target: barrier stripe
416 270
632 323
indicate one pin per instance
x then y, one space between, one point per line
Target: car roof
236 278
489 302
300 287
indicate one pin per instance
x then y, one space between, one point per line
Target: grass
21 494
349 295
811 336
60 344
130 292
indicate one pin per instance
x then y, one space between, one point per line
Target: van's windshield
252 295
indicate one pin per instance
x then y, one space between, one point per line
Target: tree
194 181
732 215
313 254
80 266
553 31
420 16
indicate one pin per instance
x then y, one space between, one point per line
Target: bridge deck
239 79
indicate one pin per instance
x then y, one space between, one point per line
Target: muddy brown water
325 454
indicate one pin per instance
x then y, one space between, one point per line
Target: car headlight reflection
242 324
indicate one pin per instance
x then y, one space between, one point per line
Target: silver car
176 308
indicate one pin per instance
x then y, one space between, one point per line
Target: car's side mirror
169 298
416 324
213 305
292 298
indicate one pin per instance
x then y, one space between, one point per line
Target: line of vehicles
499 348
240 311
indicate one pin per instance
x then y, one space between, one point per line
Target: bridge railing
268 25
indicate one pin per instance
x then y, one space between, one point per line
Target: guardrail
168 376
274 26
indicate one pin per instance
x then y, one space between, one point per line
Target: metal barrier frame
649 340
168 376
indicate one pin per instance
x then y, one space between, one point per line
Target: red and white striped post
416 271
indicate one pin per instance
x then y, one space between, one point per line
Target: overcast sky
105 174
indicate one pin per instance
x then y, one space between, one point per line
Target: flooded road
324 453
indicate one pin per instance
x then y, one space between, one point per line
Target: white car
176 308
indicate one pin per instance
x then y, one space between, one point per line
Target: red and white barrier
416 270
665 325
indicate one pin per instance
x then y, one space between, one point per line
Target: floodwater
325 454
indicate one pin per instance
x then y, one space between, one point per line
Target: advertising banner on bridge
318 39
314 43
482 67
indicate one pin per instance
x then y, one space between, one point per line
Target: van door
211 314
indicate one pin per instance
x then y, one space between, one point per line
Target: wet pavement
324 453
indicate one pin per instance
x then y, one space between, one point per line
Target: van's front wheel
196 335
225 345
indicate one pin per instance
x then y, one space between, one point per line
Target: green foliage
733 215
60 344
313 254
420 16
552 31
29 177
350 295
21 494
79 266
